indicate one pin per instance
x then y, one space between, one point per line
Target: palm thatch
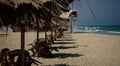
62 21
36 14
59 22
12 11
31 12
69 13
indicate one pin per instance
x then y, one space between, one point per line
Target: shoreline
106 33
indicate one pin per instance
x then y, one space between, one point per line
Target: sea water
102 29
4 29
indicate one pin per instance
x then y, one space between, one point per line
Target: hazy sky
106 11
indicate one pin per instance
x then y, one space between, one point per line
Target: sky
107 12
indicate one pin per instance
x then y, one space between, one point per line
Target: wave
98 29
5 29
86 29
113 32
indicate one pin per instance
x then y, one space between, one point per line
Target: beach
76 49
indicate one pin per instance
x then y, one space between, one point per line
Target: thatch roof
8 10
69 13
16 3
20 11
58 23
32 12
62 21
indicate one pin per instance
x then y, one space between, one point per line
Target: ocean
4 29
101 29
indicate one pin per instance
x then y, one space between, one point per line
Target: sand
77 49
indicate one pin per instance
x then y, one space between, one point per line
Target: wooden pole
52 36
38 40
71 21
22 44
46 36
37 35
55 35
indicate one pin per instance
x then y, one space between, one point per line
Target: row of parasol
41 15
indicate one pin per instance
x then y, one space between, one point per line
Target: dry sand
77 49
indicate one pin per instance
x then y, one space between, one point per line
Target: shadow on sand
64 55
68 37
60 65
64 42
63 47
4 35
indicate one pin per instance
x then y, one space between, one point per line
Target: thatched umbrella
62 6
52 8
24 12
17 12
59 24
49 9
72 14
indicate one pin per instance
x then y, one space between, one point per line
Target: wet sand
77 49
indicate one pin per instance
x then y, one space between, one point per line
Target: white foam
4 29
114 32
86 29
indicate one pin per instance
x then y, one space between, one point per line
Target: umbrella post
38 40
22 44
52 35
55 34
71 25
46 36
37 36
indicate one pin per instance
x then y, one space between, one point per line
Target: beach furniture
13 58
